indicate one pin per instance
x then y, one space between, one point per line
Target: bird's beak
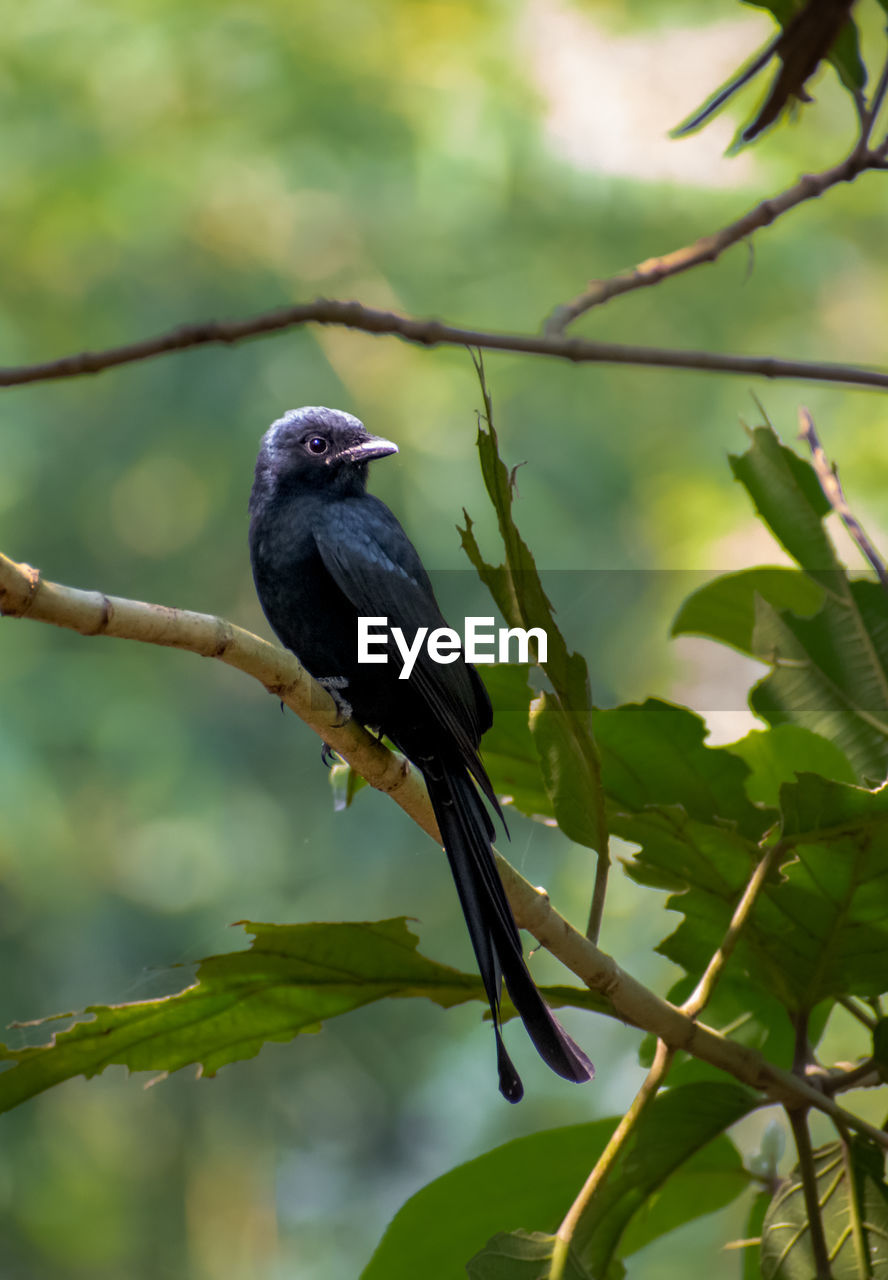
367 449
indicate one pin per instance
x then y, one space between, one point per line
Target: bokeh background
476 160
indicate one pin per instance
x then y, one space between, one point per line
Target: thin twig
862 1015
25 594
864 1076
870 112
699 998
711 247
433 333
584 1202
602 872
832 489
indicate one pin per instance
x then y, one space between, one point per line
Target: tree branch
434 333
828 476
709 248
24 594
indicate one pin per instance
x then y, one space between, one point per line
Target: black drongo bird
324 553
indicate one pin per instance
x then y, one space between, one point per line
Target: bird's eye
317 444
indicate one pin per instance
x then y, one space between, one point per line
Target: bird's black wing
375 564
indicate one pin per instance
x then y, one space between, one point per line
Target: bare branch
24 594
709 248
832 489
433 333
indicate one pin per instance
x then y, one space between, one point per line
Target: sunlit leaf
829 665
778 755
724 609
788 497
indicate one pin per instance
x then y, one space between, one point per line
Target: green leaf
724 609
508 750
679 1167
830 672
683 1129
572 775
751 1266
521 1255
846 58
788 497
533 1179
829 668
291 979
844 55
880 1048
819 929
740 1010
854 1213
560 997
516 586
654 756
845 52
345 784
567 749
775 756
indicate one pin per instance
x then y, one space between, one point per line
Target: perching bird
325 552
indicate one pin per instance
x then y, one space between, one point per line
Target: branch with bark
861 159
435 333
25 594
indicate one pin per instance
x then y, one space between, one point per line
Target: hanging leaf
291 980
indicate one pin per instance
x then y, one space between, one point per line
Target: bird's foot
333 685
329 756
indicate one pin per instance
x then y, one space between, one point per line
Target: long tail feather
467 833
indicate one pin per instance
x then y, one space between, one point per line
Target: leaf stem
584 1202
699 998
798 1119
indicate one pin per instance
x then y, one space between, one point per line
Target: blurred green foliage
164 163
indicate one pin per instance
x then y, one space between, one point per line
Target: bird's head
318 448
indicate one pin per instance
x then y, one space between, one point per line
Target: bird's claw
333 685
